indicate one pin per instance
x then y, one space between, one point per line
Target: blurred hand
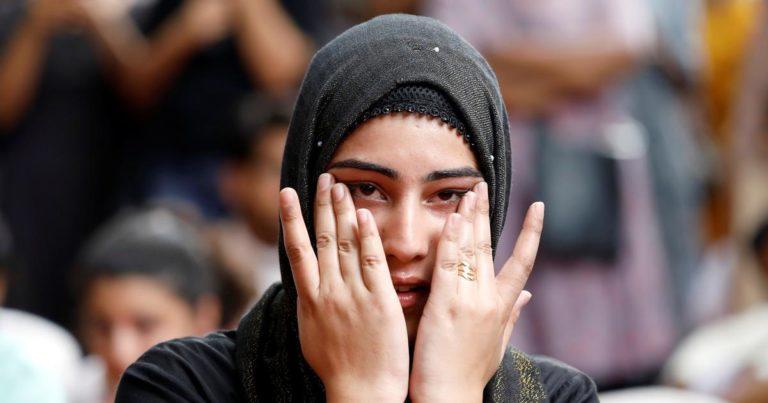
206 21
469 316
351 326
93 12
47 16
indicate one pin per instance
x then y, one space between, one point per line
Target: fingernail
285 195
362 216
538 208
338 192
526 297
482 189
323 182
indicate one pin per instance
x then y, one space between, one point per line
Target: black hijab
346 78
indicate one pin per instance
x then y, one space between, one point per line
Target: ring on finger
467 271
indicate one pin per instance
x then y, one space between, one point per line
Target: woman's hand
351 326
468 319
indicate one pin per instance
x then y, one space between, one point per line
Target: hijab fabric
345 78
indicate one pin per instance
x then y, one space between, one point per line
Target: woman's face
122 317
410 171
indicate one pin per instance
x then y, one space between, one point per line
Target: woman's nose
404 235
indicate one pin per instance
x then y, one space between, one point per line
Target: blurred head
144 278
410 171
250 181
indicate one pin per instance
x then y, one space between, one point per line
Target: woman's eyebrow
366 166
453 173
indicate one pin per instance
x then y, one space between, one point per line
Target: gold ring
466 271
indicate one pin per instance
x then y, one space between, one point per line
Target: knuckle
484 248
295 254
371 261
325 239
448 265
323 201
483 209
467 252
291 214
346 246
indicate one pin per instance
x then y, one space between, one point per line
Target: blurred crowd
140 154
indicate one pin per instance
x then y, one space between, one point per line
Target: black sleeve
564 384
183 370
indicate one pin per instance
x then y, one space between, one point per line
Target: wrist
355 392
446 394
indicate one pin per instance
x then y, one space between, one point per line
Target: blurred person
39 361
393 296
729 357
728 30
246 243
60 125
604 298
185 70
662 99
746 162
142 279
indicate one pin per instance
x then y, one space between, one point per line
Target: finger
444 276
515 272
467 270
483 248
297 245
517 309
373 261
346 230
325 234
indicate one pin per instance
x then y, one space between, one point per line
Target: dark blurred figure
246 243
39 361
145 277
602 292
187 67
59 122
661 95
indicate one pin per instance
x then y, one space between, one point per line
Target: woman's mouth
412 297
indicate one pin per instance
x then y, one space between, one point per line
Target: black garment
203 370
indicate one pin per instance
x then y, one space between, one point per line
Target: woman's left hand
468 319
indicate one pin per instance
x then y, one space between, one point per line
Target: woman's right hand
351 326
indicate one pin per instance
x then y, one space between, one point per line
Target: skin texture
122 317
402 206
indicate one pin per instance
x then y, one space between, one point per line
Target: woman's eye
365 190
448 196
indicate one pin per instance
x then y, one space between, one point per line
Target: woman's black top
199 369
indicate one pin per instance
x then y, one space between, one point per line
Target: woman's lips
410 300
412 293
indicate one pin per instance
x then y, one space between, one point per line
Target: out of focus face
410 171
258 183
122 317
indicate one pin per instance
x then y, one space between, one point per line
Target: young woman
395 179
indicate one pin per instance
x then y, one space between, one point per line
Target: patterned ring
466 271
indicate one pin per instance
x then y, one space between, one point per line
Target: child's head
142 279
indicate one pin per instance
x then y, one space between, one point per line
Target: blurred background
140 148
